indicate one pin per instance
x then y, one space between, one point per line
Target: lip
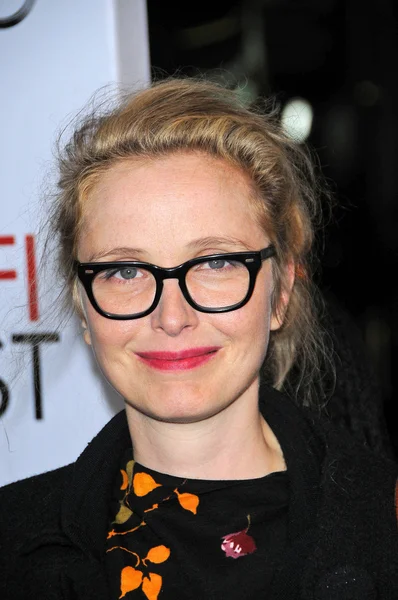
178 361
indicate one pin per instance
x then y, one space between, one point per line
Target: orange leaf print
131 579
143 484
125 480
113 532
157 555
188 501
151 586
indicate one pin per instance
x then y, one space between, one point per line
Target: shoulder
357 520
342 446
29 508
310 434
360 492
41 485
350 461
351 474
31 504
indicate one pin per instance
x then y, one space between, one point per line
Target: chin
180 419
182 408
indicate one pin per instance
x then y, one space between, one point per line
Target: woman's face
166 211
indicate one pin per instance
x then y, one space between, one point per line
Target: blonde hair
178 115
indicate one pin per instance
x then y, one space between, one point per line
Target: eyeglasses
211 284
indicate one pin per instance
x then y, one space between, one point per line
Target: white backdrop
50 65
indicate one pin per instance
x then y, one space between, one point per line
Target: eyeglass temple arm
268 252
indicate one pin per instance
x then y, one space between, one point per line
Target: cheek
103 334
249 327
259 317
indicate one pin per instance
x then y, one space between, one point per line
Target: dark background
341 56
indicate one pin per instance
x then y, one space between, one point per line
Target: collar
303 448
86 498
85 505
90 487
304 451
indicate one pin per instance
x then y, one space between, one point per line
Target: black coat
342 533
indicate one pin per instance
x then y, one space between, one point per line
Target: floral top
173 538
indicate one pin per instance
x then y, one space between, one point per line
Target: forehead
168 202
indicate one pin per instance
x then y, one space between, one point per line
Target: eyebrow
202 243
123 252
198 244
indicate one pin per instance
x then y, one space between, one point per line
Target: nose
173 313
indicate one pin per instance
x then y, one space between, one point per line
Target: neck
236 443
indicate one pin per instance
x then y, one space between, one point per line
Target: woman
185 223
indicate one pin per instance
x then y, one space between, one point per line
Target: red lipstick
178 361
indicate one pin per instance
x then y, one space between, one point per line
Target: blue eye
122 274
127 273
217 264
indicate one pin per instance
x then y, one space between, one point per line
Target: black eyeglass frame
252 261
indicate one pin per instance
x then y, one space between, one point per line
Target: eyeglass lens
131 290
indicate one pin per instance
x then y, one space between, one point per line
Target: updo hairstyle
188 115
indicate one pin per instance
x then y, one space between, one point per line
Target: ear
278 315
79 306
86 332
